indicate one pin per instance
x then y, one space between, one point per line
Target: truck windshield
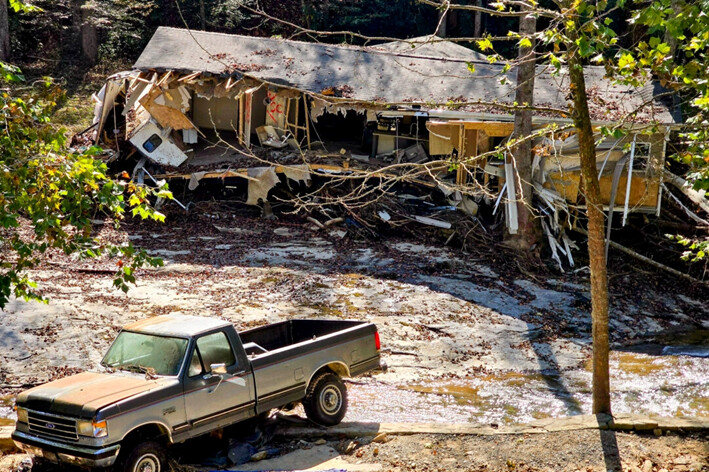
147 353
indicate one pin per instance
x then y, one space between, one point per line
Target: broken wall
562 171
220 113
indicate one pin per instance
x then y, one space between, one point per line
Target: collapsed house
201 105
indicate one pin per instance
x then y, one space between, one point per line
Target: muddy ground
469 336
572 451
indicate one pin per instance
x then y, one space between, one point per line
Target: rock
320 442
350 447
375 451
647 465
657 432
380 438
428 445
683 460
259 456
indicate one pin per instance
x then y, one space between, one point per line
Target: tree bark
443 28
84 32
4 32
477 30
528 232
89 36
202 15
596 234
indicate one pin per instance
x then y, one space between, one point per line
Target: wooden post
307 120
297 116
460 174
241 120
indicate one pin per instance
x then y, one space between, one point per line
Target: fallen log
689 212
647 260
684 187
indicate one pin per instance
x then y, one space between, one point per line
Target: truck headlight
96 429
21 414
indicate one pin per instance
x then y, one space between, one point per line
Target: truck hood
84 394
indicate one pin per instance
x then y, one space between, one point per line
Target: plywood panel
567 185
491 128
643 192
443 138
275 110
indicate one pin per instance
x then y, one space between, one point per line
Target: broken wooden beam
684 187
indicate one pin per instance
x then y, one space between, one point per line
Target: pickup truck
170 378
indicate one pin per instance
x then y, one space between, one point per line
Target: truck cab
170 378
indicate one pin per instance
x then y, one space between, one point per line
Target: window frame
196 350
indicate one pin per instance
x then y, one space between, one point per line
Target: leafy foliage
49 195
676 49
697 249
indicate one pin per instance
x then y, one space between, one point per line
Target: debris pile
255 126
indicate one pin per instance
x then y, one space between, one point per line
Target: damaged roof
376 75
431 46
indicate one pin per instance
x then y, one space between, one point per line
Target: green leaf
484 44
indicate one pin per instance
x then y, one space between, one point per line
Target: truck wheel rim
147 463
330 400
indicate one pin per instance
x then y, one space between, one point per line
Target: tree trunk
84 34
89 36
478 20
528 232
596 235
202 15
443 28
4 32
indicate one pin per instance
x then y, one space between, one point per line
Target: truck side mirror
217 369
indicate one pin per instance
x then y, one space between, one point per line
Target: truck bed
286 333
284 356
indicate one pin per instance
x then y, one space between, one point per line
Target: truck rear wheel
145 457
325 401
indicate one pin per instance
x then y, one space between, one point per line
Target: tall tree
85 29
4 32
528 232
594 208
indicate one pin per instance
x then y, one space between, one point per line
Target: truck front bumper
55 451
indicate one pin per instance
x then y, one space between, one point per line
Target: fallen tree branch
647 260
315 222
689 212
684 187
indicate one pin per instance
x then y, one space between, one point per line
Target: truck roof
176 325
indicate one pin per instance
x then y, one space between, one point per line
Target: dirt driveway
468 338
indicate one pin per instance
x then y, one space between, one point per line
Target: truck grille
45 424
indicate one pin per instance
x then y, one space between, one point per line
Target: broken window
642 156
152 143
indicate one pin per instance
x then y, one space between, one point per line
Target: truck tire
145 457
325 401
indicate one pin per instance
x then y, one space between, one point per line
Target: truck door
213 401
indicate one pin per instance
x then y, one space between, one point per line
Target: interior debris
194 120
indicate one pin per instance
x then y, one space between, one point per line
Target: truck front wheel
145 457
325 401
